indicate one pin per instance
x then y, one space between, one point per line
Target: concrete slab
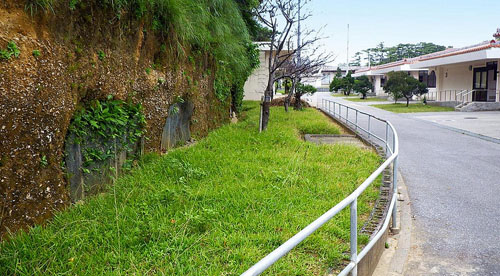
335 139
482 123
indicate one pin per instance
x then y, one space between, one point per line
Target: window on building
382 81
422 76
431 80
428 79
480 78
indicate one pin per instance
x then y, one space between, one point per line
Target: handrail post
347 116
386 137
369 120
354 236
356 126
395 192
333 109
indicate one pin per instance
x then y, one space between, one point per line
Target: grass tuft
214 208
359 100
412 108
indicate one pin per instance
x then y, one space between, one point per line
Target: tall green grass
213 26
214 208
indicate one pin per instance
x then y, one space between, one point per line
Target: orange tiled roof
445 53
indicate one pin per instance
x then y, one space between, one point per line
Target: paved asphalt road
454 186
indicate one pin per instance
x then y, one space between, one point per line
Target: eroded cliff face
83 55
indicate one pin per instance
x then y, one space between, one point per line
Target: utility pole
298 36
369 60
347 49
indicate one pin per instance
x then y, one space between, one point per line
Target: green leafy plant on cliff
101 55
114 125
11 50
43 161
36 53
72 4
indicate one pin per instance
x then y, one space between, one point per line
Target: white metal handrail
466 94
352 199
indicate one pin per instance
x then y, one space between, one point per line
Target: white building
467 74
459 75
257 82
378 74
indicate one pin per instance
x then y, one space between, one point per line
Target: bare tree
280 16
296 70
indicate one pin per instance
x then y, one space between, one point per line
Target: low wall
444 104
481 106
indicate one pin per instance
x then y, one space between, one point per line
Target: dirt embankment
83 55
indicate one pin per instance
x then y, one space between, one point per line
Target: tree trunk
266 110
298 102
407 102
289 96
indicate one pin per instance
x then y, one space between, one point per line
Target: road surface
453 179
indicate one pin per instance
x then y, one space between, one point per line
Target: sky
454 23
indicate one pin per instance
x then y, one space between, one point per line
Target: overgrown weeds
214 208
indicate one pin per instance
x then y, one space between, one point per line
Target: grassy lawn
280 91
214 208
412 108
357 99
341 95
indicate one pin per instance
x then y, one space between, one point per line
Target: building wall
455 78
379 90
257 82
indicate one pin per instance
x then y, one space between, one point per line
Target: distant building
461 75
327 74
257 83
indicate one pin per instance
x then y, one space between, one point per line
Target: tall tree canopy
382 54
255 29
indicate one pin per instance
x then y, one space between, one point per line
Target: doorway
485 83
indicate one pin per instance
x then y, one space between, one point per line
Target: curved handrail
350 200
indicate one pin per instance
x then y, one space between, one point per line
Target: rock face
82 58
177 128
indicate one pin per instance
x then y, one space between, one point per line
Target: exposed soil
39 95
281 102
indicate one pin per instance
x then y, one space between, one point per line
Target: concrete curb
394 259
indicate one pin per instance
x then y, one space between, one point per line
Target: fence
463 95
377 130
